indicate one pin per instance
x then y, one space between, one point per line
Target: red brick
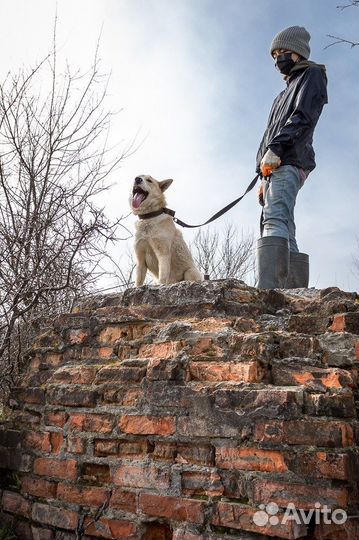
225 371
121 373
56 418
339 405
35 396
77 336
38 487
302 495
305 432
76 445
123 500
123 396
196 454
39 533
37 441
88 496
96 472
205 347
346 322
104 447
312 376
72 396
175 508
238 516
98 423
111 528
201 483
75 375
161 350
182 533
147 476
148 425
16 504
66 469
55 516
56 441
252 459
331 531
111 334
323 465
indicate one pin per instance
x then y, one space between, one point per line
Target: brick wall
180 412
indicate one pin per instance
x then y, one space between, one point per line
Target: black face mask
284 63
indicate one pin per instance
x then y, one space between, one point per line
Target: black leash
215 216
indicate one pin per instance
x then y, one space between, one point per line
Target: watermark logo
267 515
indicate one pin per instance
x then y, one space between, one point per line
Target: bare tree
54 162
353 3
226 255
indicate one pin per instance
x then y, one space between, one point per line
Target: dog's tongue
137 199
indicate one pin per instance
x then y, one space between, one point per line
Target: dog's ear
165 184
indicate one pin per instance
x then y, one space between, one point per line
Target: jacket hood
304 64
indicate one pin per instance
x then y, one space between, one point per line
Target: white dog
159 245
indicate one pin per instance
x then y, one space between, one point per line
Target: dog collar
157 213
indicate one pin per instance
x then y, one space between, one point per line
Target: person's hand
269 163
261 194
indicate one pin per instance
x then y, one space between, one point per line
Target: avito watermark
321 513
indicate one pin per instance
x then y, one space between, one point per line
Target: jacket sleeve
308 106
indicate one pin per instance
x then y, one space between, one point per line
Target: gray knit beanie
294 38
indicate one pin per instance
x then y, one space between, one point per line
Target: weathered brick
301 495
37 440
72 396
39 533
225 371
259 403
56 468
165 370
98 423
77 336
142 475
201 483
148 425
55 418
123 500
95 472
339 405
104 447
206 347
346 322
127 397
74 375
239 516
122 373
340 466
312 377
88 496
252 459
196 454
160 350
76 445
55 516
34 396
172 507
332 531
38 487
111 528
329 433
16 504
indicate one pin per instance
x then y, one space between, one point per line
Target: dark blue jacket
294 115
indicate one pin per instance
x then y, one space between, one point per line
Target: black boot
298 276
273 262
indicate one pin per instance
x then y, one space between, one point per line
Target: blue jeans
279 201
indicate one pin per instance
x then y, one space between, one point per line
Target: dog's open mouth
139 195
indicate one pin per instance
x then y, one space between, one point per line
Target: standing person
286 157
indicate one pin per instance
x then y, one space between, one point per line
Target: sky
193 82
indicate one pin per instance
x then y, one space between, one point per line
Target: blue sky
195 82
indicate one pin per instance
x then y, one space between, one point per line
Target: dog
159 245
